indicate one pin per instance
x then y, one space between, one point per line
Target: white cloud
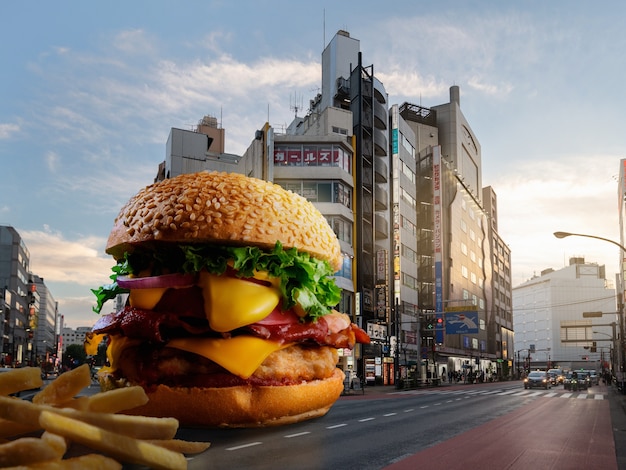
567 193
57 259
7 130
52 161
133 42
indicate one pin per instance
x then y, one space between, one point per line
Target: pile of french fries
58 423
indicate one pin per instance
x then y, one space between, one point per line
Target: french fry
120 447
139 427
89 461
20 411
17 380
65 387
55 441
77 403
119 399
28 450
13 428
178 445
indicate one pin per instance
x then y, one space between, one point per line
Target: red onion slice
153 282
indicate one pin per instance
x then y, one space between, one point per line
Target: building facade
45 332
401 187
17 317
565 318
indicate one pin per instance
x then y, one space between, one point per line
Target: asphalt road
496 426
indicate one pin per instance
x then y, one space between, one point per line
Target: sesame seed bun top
223 208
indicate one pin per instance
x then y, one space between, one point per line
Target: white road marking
289 436
336 426
243 446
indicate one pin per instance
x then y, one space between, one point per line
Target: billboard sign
462 322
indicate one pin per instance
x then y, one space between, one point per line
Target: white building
557 318
74 336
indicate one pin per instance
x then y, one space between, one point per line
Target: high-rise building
620 371
17 317
455 234
401 187
45 332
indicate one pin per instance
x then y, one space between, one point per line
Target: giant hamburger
229 319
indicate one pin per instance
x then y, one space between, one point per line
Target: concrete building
456 235
74 336
16 299
409 254
565 318
45 333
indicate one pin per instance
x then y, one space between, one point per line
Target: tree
74 356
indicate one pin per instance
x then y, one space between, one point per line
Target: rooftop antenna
295 105
324 28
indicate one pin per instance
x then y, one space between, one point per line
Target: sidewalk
617 403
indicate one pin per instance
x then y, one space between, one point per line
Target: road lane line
243 446
551 394
598 397
566 395
581 396
366 419
390 414
337 426
298 434
409 410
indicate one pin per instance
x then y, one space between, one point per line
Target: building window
409 281
408 225
320 191
410 200
346 268
342 228
408 253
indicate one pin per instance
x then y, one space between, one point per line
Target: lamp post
621 307
612 339
568 234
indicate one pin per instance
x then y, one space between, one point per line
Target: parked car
537 379
556 376
576 381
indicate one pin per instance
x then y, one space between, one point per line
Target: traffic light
439 323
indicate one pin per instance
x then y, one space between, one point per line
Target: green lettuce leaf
304 280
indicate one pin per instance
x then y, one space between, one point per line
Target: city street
496 425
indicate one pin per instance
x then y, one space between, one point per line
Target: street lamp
621 313
568 234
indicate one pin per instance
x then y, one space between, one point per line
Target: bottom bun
244 406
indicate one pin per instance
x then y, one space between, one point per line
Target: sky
89 93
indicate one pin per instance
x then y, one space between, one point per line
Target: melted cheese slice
241 355
230 302
146 299
117 345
